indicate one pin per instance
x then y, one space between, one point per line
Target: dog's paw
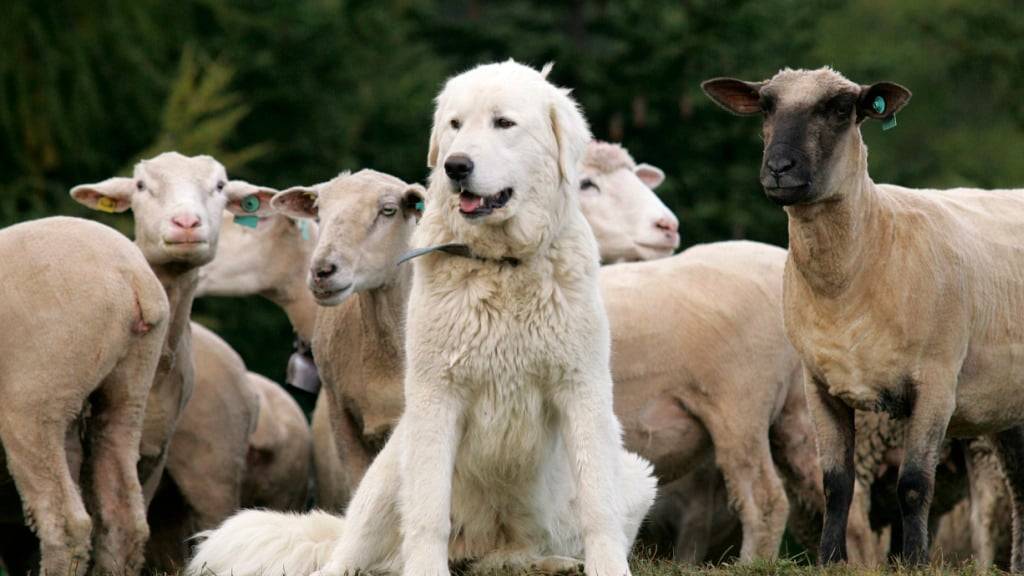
606 560
560 565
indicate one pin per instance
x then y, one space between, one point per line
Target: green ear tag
247 221
251 203
304 229
878 105
419 206
889 122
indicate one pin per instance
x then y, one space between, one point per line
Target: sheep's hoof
558 565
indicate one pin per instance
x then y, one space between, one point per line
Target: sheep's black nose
325 271
780 164
458 167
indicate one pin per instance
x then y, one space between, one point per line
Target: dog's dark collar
456 250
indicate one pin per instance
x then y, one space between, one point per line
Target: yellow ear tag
106 204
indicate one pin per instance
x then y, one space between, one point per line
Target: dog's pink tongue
469 203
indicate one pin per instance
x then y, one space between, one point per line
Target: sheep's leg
755 490
985 484
925 432
38 462
372 535
696 514
834 428
792 440
1010 447
115 493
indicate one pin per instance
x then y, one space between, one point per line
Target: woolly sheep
901 300
177 202
84 320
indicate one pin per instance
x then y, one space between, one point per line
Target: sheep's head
269 258
177 202
366 222
811 126
618 200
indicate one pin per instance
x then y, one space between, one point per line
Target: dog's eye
220 185
455 123
503 123
389 210
587 184
140 185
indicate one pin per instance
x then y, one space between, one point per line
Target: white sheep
618 200
901 300
84 320
177 203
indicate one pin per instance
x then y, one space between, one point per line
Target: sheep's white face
270 259
177 202
503 140
629 221
366 221
811 127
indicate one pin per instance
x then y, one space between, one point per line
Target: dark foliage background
293 92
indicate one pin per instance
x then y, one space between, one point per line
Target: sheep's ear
881 100
736 96
651 176
298 202
412 200
111 195
246 199
571 133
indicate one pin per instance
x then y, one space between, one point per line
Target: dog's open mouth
473 206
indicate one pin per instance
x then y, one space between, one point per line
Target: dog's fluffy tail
264 543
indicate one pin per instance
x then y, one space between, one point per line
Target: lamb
107 339
896 299
207 460
176 201
616 197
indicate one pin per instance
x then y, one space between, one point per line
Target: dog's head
504 152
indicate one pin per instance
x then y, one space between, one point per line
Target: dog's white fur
508 451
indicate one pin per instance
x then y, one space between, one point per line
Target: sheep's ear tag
420 206
106 204
304 229
251 203
879 107
247 221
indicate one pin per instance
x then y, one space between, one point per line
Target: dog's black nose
458 167
780 164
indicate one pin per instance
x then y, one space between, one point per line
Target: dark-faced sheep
907 301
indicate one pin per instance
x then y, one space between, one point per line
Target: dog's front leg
593 442
432 420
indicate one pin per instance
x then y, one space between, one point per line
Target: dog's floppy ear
571 133
435 137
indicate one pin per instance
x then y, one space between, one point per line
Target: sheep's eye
389 210
140 185
587 184
455 123
503 123
767 106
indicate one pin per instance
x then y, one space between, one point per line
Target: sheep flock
860 391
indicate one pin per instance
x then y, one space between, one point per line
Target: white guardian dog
508 454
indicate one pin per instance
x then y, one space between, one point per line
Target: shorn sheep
83 319
177 202
907 301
